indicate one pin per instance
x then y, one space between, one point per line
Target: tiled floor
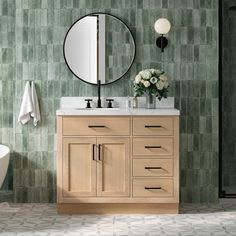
42 219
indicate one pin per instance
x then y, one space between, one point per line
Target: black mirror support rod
99 104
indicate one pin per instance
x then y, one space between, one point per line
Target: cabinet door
113 167
79 167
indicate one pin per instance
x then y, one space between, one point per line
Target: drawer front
153 146
96 126
153 126
153 187
152 167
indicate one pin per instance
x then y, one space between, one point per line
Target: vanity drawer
153 187
97 126
153 126
153 146
152 167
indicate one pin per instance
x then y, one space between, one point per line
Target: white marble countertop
118 112
75 106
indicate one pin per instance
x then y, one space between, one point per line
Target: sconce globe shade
162 26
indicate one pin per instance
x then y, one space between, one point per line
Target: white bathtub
4 162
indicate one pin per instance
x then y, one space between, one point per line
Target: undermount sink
98 109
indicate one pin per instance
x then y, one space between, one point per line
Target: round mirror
99 46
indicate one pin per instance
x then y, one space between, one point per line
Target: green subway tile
49 180
57 53
205 3
187 17
203 17
178 17
180 3
25 17
34 4
7 55
46 4
196 143
190 35
203 90
65 17
50 142
38 178
64 89
165 4
213 194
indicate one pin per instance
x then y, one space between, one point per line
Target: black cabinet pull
150 188
93 152
96 126
99 152
153 168
153 126
153 146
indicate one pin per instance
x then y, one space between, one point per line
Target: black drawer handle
153 126
150 188
153 146
96 126
99 152
153 168
93 152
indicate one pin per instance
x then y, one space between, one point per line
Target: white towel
35 105
26 105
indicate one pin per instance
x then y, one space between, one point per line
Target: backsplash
32 34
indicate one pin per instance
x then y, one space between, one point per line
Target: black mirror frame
94 13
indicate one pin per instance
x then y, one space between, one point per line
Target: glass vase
150 101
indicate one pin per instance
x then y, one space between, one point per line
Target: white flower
153 80
146 83
145 74
138 79
158 72
153 71
160 85
163 78
166 84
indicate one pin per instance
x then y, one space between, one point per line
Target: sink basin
97 109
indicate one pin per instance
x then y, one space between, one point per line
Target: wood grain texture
149 126
152 167
59 159
113 168
176 158
153 146
79 167
86 126
122 208
165 185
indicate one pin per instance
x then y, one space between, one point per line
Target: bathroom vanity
113 160
118 160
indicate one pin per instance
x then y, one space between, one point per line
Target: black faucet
99 103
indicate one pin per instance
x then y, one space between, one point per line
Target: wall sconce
162 26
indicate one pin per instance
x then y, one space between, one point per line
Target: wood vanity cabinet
118 164
94 167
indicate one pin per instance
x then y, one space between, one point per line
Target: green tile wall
31 37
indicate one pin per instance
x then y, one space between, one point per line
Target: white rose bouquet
151 82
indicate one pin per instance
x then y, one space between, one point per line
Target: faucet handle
88 102
109 103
